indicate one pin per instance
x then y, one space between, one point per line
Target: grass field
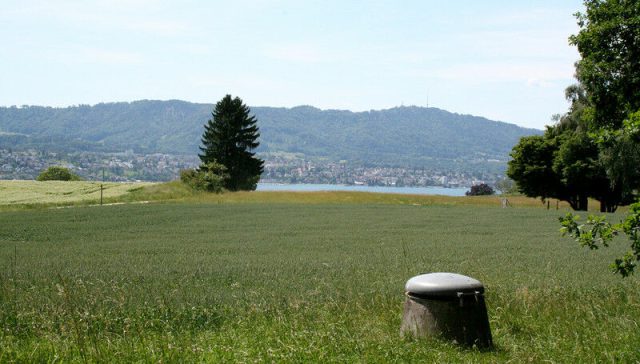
35 193
19 195
281 277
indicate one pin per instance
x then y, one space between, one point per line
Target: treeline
593 151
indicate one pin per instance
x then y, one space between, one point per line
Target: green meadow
298 277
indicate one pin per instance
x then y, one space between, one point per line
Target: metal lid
442 284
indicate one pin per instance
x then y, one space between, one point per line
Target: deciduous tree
482 189
609 44
609 68
56 173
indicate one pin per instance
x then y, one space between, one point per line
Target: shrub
209 177
507 186
56 173
480 190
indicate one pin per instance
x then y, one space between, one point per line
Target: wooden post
101 186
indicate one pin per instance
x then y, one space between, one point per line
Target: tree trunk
607 207
583 203
578 203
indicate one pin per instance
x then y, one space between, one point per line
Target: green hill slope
398 136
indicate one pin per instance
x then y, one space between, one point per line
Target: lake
431 190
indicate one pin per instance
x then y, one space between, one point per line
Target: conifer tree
229 138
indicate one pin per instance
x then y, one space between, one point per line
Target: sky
504 60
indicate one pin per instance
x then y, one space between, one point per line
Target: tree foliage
531 167
597 231
562 163
482 189
609 70
609 46
620 155
229 139
210 177
56 173
586 154
507 186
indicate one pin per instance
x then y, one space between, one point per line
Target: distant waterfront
431 190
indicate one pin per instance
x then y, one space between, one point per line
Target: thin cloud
104 16
113 57
160 27
502 72
98 56
303 53
536 82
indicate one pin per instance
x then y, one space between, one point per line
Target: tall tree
620 156
531 168
609 68
566 162
229 138
609 43
557 164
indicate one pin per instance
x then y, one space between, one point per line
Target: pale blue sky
505 60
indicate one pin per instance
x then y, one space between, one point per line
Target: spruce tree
229 138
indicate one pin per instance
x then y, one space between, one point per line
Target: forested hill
401 135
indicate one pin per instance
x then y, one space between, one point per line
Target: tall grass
34 193
236 279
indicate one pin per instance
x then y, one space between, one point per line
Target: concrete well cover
442 284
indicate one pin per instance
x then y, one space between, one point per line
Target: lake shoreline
312 187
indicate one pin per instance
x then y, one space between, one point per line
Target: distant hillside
400 136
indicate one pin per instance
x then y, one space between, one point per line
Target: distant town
128 166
